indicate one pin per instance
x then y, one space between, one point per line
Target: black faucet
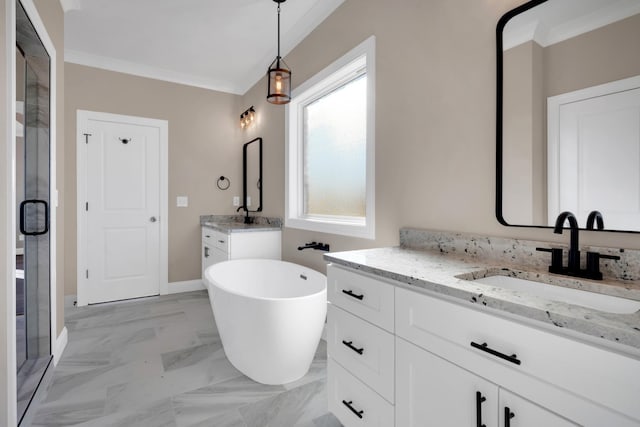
574 252
593 258
247 220
595 216
315 245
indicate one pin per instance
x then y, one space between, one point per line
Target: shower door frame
8 398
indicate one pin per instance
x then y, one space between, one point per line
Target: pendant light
279 75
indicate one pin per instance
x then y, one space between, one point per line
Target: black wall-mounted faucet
574 248
315 245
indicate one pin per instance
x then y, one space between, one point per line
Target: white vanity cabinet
218 246
360 349
430 388
516 411
455 364
434 392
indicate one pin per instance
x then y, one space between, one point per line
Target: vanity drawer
612 379
366 351
366 407
215 239
361 295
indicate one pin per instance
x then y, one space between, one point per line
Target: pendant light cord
278 33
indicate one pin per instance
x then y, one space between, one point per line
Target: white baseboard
70 300
186 286
60 345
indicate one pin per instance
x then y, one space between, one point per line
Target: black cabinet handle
206 252
350 345
352 409
484 347
221 241
479 399
351 294
507 416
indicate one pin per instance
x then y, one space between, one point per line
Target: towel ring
221 183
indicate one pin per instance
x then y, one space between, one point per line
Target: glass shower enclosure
33 317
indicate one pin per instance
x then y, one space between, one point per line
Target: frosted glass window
330 175
334 165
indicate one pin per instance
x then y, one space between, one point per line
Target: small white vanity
225 238
411 343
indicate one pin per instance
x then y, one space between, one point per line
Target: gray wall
203 145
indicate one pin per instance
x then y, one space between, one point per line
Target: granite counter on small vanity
444 263
227 237
235 223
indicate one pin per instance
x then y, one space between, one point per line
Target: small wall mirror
252 176
568 113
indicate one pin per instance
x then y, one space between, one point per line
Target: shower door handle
23 212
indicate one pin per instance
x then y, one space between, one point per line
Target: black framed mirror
252 177
568 113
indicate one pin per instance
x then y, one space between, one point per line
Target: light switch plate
236 200
182 201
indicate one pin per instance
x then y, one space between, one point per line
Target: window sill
351 228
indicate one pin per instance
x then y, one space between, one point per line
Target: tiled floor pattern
159 362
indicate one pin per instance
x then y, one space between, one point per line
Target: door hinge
86 137
87 273
86 206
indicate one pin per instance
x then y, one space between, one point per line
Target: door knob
153 219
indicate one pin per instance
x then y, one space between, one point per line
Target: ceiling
214 44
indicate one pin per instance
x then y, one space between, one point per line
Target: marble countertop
233 227
447 274
235 223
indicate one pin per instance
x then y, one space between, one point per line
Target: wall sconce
248 117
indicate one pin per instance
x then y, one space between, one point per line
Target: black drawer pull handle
352 409
484 347
221 241
507 416
351 294
479 399
350 345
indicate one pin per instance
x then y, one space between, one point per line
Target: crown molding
547 35
590 22
68 5
127 67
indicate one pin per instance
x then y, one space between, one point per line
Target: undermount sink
601 302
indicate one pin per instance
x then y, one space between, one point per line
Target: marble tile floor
159 362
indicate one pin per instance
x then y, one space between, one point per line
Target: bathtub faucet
315 245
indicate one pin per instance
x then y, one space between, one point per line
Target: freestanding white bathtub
269 314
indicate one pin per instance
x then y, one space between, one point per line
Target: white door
123 182
594 157
431 392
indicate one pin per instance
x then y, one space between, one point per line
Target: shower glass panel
21 334
33 209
